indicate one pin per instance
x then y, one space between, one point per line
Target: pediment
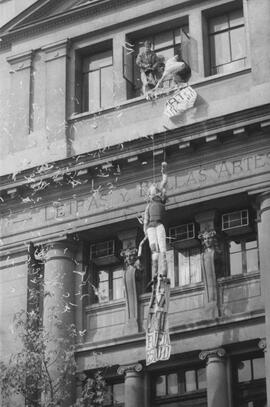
44 10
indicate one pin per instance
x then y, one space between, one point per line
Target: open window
165 43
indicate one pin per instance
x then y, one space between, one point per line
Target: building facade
80 145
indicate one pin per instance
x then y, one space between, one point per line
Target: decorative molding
218 353
262 344
26 28
20 61
135 368
56 50
263 203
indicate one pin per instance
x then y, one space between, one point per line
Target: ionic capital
213 354
134 368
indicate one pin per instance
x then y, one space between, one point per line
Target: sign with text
80 209
181 101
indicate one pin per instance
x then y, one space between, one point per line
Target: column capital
21 61
56 50
262 344
263 203
217 353
133 368
57 250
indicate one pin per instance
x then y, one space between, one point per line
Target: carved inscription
117 198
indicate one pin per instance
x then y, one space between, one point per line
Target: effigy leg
158 345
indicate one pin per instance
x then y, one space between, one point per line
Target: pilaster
20 98
56 81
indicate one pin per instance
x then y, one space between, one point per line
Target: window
184 266
249 390
235 219
110 284
182 385
115 395
244 256
94 78
164 43
227 42
97 81
182 232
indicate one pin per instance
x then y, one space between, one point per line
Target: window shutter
189 51
128 65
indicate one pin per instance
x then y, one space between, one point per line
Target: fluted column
134 389
217 383
263 237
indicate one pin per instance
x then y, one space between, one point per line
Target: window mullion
244 257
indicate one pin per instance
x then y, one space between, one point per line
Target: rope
154 169
164 149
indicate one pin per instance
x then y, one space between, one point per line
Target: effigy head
183 74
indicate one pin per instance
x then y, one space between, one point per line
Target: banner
181 101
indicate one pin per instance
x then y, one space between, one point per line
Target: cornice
75 14
21 61
184 331
61 19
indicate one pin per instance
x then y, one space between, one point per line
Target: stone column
59 307
134 388
217 383
263 238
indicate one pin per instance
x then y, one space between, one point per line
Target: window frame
243 240
182 25
110 269
110 384
251 389
207 15
182 394
81 97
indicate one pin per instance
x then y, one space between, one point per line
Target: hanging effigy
158 346
157 330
